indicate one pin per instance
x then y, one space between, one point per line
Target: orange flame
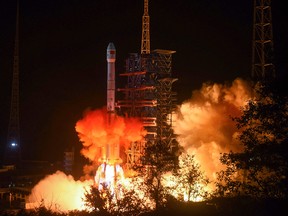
203 124
109 175
94 133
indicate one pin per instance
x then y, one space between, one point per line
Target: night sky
63 56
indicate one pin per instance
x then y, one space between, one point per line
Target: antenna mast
13 153
145 43
262 53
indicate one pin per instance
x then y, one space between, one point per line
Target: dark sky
63 55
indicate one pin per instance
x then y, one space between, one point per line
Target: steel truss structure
12 155
148 95
262 49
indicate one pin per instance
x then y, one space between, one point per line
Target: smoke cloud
59 192
204 123
94 132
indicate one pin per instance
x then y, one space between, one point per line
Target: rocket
111 58
111 151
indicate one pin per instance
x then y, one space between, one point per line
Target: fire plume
203 125
99 137
95 133
60 192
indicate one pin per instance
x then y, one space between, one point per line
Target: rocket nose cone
111 46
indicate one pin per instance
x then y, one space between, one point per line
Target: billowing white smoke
59 192
204 123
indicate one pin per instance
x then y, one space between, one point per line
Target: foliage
98 201
190 180
261 169
159 159
129 203
122 202
154 187
41 210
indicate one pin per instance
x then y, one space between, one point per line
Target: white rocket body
111 151
111 58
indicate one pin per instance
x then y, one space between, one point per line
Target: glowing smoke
59 192
204 123
94 133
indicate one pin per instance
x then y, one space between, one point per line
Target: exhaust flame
109 175
97 137
95 133
60 192
204 129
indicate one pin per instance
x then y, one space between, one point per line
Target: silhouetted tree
98 201
160 158
261 169
190 180
46 210
105 202
129 203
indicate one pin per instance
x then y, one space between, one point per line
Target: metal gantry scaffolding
139 101
166 98
148 95
145 42
262 50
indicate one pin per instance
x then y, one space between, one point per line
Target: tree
159 160
98 201
190 180
261 169
129 203
104 202
42 209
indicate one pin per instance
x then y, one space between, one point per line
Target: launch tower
262 51
12 155
148 94
145 43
